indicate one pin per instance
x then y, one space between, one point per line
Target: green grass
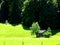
7 30
29 41
17 35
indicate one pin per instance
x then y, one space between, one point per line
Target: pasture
29 41
16 35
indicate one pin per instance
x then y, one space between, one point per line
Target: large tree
42 11
31 12
4 10
48 17
58 13
15 9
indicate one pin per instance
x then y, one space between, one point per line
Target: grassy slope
7 30
16 35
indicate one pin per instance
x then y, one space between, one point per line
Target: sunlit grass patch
29 41
16 35
7 30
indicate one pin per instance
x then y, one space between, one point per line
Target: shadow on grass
26 28
54 32
48 36
14 24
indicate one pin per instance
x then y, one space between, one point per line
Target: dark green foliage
42 11
47 33
58 13
4 11
54 32
48 15
0 1
35 28
15 16
31 12
11 11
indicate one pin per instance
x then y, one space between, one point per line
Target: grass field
29 41
16 35
7 30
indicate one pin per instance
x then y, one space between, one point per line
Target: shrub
48 33
35 28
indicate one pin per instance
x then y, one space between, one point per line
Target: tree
15 9
31 12
48 17
42 11
4 11
58 13
35 28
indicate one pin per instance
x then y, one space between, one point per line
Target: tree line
45 12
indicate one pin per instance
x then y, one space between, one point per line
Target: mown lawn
16 35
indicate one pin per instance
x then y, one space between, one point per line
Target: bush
48 33
35 28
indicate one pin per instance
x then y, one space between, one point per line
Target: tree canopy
45 12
